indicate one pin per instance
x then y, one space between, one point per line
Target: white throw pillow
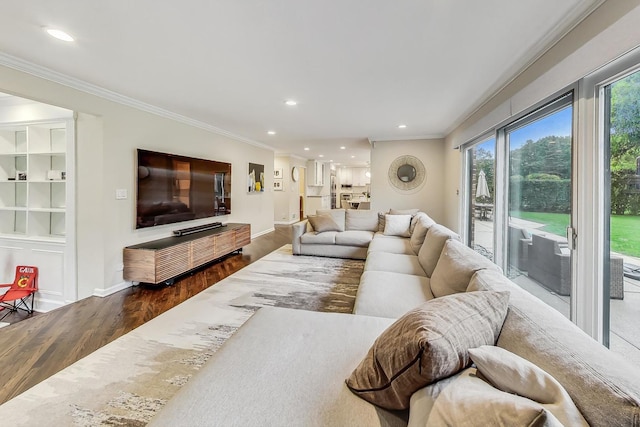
397 225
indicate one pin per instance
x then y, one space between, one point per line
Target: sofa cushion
314 238
394 246
395 263
322 223
364 220
470 401
283 367
422 400
419 232
432 246
456 265
386 294
397 225
513 374
338 216
354 238
428 343
604 386
421 216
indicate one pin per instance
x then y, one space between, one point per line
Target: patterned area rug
127 381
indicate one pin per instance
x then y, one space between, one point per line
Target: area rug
127 381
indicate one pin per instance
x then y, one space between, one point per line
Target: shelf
13 208
48 153
59 210
24 237
13 154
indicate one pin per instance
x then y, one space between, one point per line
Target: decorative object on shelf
277 173
56 175
295 174
277 185
407 174
255 178
21 175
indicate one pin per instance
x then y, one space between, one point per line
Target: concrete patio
625 313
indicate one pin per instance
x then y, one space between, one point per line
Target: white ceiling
357 68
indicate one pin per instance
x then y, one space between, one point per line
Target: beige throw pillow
513 374
338 216
428 343
469 401
419 232
322 223
455 267
397 225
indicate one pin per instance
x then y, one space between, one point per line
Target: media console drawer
162 260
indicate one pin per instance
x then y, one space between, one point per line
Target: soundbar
197 228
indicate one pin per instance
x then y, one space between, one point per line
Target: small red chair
24 285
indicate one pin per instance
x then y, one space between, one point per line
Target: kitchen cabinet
315 173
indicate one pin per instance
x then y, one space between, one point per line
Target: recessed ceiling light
353 157
320 155
290 102
402 126
59 34
271 132
330 161
343 148
306 148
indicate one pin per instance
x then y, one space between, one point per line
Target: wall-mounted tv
174 188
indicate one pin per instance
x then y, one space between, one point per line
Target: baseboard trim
43 305
99 292
269 230
293 221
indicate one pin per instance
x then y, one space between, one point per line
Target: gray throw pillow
428 343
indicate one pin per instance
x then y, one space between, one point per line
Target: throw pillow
513 374
381 222
338 216
455 267
428 343
322 223
397 225
432 247
469 401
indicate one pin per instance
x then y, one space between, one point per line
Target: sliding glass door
539 202
481 178
621 118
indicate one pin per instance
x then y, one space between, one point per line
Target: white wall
430 198
287 202
105 162
607 33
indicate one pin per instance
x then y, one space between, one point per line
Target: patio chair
519 243
25 285
550 265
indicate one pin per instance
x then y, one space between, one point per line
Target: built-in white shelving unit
33 184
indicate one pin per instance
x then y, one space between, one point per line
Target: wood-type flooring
35 348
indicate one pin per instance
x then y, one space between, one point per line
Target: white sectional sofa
288 367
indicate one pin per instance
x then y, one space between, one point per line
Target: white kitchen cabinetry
356 177
315 173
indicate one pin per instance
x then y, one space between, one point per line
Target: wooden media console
160 261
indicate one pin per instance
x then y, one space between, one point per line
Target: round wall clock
295 174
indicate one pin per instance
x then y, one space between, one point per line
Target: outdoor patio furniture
519 243
550 265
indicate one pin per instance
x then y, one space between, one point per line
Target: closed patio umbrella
482 189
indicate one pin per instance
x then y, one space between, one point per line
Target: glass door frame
594 129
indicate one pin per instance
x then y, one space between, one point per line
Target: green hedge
540 195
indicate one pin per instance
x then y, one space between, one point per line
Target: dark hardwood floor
35 348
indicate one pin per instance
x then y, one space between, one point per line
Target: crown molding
406 138
83 86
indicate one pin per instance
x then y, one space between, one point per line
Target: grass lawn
625 229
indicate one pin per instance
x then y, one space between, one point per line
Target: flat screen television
174 188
